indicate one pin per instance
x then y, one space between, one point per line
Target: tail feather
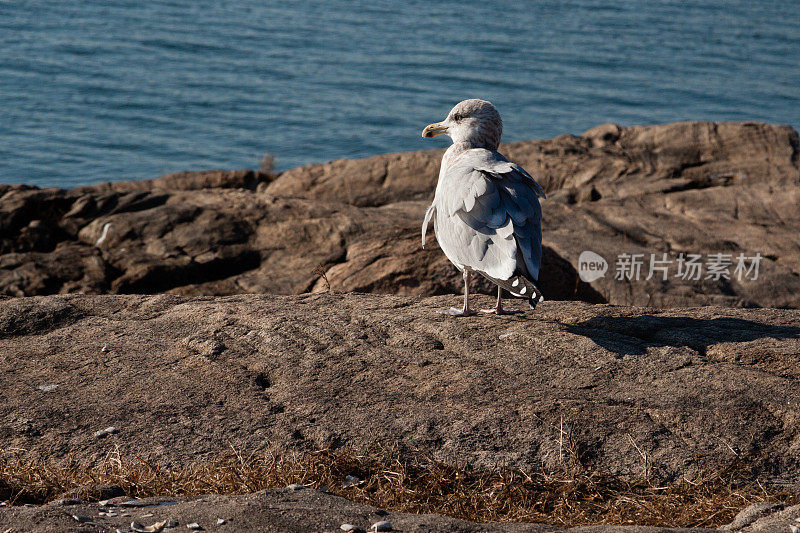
522 287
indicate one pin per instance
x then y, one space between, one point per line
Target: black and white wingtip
524 288
533 302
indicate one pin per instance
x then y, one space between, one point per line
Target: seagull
485 211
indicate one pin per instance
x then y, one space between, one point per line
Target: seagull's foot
501 311
453 311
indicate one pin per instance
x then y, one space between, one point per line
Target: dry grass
410 483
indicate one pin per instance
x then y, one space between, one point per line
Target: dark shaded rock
93 492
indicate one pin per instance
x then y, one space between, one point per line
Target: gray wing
498 203
428 214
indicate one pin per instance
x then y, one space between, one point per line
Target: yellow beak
432 130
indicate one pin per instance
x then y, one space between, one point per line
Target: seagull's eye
457 117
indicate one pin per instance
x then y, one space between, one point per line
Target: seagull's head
475 122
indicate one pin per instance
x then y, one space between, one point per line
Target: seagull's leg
465 311
498 309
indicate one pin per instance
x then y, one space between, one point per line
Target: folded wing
495 219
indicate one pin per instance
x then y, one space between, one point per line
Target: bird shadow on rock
634 335
559 280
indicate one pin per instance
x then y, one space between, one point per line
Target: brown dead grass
410 483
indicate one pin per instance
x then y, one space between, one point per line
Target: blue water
97 90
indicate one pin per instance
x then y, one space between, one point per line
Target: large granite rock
633 392
692 188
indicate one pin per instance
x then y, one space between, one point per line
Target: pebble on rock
48 387
194 526
110 430
351 481
154 528
69 501
296 486
351 528
146 503
81 518
382 526
220 521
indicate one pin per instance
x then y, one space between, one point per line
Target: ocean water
102 90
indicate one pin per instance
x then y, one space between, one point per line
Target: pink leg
465 311
498 309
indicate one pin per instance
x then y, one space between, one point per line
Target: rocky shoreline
173 319
353 225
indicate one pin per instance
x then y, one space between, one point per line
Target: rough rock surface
661 392
772 517
691 187
677 188
638 391
278 511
